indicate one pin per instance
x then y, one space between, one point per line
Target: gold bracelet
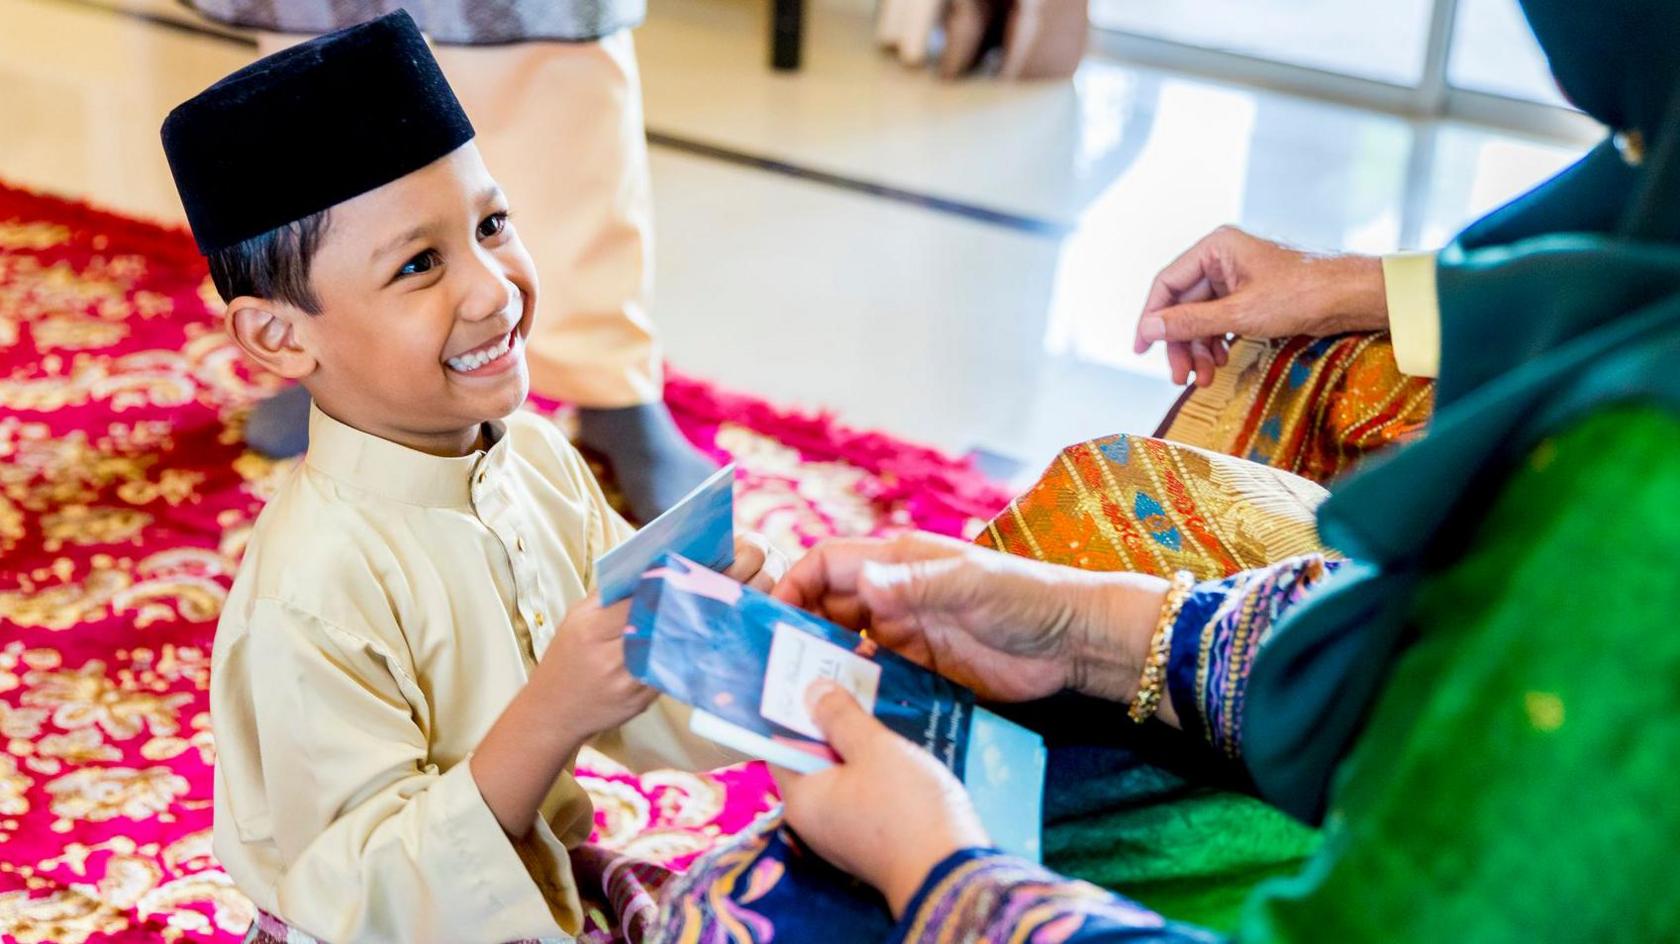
1154 680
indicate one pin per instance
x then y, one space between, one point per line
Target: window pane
1474 171
1494 51
1383 41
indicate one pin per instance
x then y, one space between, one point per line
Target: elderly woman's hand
1009 628
1233 283
888 812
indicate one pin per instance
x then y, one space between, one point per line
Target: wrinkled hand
1234 283
582 678
888 812
757 562
1009 628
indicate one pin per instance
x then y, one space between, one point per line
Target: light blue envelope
701 528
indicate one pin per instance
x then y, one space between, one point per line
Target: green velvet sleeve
1517 777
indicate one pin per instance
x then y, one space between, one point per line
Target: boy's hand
582 678
579 689
757 563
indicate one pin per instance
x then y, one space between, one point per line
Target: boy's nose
491 296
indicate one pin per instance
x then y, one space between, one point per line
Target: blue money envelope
701 528
743 660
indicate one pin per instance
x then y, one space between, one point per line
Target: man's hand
1233 283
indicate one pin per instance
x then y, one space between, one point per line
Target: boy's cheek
518 261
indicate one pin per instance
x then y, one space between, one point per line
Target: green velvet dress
1516 779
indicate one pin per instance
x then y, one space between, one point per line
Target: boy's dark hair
273 265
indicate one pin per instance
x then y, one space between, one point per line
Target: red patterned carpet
125 499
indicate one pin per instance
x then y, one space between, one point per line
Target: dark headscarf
1560 304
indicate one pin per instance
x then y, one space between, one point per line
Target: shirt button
481 478
540 619
519 544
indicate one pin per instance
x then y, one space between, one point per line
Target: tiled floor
926 322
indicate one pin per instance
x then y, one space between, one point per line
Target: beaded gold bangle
1154 681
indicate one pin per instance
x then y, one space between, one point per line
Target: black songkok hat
309 127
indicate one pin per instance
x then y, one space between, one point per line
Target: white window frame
1433 97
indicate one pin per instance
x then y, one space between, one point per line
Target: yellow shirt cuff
1414 312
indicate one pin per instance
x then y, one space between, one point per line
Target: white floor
933 325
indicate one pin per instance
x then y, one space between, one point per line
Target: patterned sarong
1300 411
1149 506
1311 406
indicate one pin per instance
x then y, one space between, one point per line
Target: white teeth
473 360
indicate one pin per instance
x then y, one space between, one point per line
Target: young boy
410 658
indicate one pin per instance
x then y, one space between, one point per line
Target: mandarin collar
381 467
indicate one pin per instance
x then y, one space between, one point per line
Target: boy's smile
488 361
493 357
427 296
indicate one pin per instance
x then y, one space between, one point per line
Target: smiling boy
410 657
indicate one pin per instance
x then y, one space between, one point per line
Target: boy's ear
268 332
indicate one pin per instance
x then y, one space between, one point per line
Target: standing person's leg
560 126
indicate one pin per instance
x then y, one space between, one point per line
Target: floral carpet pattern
125 501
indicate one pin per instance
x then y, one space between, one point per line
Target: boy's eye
419 264
492 225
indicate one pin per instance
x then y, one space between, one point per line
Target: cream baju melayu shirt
389 606
1414 312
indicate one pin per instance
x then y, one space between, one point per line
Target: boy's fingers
614 621
775 563
749 559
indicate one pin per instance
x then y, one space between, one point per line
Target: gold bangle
1154 680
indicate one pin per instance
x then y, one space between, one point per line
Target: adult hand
888 812
1233 283
1009 628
